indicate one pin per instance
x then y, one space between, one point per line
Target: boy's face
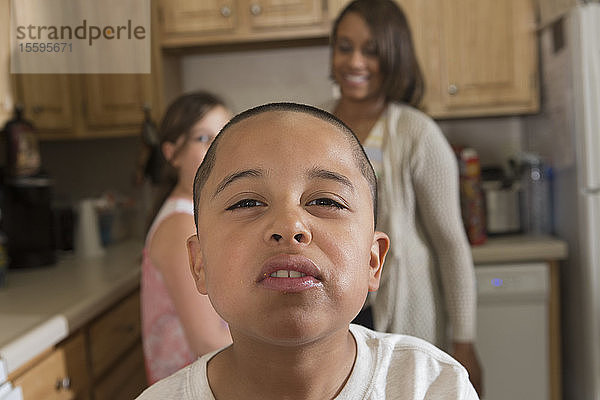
286 249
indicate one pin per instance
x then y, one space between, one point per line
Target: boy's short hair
203 172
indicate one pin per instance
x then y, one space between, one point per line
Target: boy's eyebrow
235 176
321 173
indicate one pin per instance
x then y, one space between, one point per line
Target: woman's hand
465 354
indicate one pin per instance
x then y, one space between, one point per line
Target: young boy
286 250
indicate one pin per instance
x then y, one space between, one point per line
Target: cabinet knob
255 9
225 11
452 89
64 383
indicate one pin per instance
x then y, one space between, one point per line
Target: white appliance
512 330
567 134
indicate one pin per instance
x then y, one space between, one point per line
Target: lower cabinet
101 361
47 379
126 380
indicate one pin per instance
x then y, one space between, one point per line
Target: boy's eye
325 202
246 203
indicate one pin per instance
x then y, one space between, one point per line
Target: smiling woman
428 287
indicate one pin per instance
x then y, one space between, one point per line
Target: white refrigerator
567 134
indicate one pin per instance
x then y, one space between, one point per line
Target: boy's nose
298 237
289 228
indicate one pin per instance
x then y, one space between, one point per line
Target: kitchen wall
248 78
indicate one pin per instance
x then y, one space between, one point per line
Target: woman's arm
203 327
436 184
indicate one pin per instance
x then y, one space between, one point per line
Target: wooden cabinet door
126 381
194 16
424 19
47 100
116 100
75 348
46 379
113 333
283 13
489 50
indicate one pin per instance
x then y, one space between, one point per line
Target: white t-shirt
388 366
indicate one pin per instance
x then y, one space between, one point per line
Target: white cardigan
428 282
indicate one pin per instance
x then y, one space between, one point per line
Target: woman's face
355 62
188 159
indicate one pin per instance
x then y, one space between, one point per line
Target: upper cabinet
75 106
85 105
191 22
479 57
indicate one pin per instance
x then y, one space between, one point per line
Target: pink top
166 349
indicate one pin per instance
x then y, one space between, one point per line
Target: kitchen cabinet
191 23
87 105
103 360
77 361
479 57
47 101
117 360
47 379
113 333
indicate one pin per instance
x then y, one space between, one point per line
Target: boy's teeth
283 273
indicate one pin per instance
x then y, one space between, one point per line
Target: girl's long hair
180 117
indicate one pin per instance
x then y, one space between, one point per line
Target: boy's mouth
289 273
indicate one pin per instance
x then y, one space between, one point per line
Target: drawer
114 333
47 379
126 381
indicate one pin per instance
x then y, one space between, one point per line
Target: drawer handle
452 89
225 11
255 9
63 384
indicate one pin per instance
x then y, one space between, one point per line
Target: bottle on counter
471 196
22 149
536 195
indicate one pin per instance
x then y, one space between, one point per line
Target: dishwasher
513 330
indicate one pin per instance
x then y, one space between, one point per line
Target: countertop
519 248
41 306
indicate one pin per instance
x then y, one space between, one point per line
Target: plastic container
536 196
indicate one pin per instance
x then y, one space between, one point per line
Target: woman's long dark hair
402 76
180 117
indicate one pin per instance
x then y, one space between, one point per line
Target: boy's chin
295 333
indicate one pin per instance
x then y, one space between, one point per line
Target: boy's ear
197 263
379 248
